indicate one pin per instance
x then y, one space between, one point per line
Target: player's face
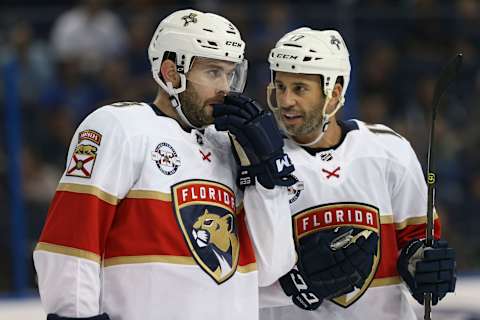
208 81
300 101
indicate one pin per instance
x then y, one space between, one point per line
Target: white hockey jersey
370 180
146 224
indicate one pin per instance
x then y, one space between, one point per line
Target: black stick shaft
448 75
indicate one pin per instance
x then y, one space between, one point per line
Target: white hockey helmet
189 34
313 52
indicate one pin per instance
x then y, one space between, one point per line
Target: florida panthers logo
205 213
214 233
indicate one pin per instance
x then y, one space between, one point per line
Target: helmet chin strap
325 120
174 99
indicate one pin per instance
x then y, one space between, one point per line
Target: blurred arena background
62 59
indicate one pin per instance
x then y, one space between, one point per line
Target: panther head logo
213 232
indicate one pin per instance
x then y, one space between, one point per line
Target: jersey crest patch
205 212
330 216
166 158
82 161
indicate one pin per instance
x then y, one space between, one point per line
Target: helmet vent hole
199 41
278 65
318 58
213 43
311 50
226 54
293 67
307 58
231 32
209 30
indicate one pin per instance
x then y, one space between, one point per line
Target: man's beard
312 122
193 109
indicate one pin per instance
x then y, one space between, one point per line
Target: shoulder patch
82 161
90 135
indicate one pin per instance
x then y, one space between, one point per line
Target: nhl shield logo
341 224
205 212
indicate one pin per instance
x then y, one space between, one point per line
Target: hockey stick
446 78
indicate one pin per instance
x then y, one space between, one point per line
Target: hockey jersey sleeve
409 198
269 224
99 172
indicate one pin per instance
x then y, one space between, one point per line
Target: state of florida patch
82 161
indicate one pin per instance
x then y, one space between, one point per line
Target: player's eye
299 90
279 87
214 73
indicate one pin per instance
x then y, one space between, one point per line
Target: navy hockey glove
333 262
428 269
103 316
256 139
296 286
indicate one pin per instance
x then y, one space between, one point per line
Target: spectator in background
90 34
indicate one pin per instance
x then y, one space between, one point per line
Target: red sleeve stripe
89 189
68 251
78 220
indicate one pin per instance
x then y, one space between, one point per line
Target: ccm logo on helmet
233 43
286 56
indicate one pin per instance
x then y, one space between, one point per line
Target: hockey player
359 204
147 222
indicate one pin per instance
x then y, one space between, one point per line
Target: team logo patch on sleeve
362 219
205 212
82 161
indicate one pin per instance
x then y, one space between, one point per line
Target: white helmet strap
173 96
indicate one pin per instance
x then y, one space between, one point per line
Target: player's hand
256 138
331 263
428 269
295 285
336 261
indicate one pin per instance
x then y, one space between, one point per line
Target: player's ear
168 71
337 91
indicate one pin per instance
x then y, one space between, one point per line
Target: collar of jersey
346 127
